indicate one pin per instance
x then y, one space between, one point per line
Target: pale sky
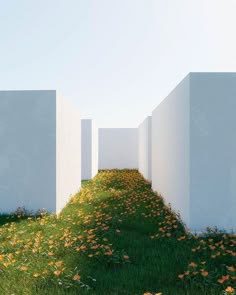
116 60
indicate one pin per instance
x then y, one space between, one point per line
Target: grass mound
115 237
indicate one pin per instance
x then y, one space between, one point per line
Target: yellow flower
230 290
59 263
50 263
231 268
36 275
204 273
6 264
192 264
108 252
23 268
57 272
2 256
76 277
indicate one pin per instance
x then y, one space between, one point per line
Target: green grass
115 237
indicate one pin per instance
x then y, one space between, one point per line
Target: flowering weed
114 237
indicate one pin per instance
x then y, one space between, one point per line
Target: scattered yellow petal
50 263
204 273
230 289
76 277
59 263
231 268
192 264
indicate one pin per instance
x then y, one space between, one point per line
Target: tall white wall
89 149
213 150
194 150
68 151
27 150
170 149
145 148
118 148
95 147
34 152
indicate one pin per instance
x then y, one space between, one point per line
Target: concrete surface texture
36 132
89 148
68 151
194 150
118 148
145 148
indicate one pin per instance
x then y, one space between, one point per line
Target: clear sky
114 59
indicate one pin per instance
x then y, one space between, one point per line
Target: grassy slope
115 237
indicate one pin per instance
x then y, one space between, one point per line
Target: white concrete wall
118 148
194 150
89 149
145 148
170 149
213 150
35 168
27 150
95 147
68 151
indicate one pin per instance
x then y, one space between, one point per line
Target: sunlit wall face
171 149
193 150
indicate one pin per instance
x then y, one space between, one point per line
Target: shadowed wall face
194 150
39 161
27 150
213 150
145 148
89 149
118 148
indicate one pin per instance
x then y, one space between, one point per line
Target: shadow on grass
116 213
4 218
20 214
